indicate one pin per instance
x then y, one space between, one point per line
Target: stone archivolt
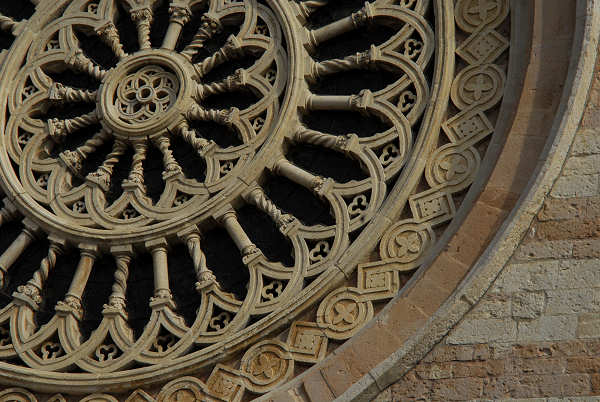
154 95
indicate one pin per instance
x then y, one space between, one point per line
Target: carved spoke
230 51
110 35
204 275
10 25
14 251
170 164
58 129
233 82
230 221
200 144
142 13
102 176
179 15
78 61
59 92
31 291
136 176
319 185
345 143
258 198
340 27
73 160
225 117
210 26
72 303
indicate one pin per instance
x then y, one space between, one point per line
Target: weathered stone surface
573 301
586 248
547 328
528 305
567 208
576 186
582 165
532 301
483 331
587 142
551 287
588 326
545 250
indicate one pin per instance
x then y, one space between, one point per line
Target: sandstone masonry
536 332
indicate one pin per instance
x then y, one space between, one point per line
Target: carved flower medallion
142 97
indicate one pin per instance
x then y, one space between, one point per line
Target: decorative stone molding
152 97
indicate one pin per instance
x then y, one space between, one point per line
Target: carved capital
180 13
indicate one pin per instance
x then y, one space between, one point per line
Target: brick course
536 332
546 369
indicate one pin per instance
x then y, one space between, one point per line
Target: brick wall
536 332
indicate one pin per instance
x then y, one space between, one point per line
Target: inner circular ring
145 94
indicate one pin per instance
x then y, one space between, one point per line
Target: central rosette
146 94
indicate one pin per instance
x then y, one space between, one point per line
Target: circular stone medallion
146 95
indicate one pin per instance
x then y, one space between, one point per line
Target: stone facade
536 331
477 212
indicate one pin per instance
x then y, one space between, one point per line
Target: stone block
316 388
501 350
582 165
573 301
576 186
537 275
434 371
586 248
481 369
587 365
595 383
458 389
572 348
575 384
497 388
568 229
563 208
588 326
578 274
483 331
528 305
492 305
586 142
447 353
547 328
545 249
481 352
542 366
411 387
537 350
385 396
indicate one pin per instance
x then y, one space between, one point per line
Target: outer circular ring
50 223
317 289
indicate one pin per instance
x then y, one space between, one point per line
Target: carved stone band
145 94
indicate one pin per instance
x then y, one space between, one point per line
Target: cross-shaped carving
478 86
345 312
483 7
266 364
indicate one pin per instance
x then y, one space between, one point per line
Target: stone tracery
155 95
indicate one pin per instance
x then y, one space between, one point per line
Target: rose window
196 174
